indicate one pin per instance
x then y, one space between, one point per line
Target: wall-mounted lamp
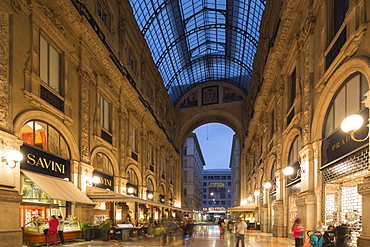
150 196
257 193
250 198
288 171
353 123
95 180
11 158
130 190
267 185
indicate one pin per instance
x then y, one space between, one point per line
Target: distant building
192 176
216 192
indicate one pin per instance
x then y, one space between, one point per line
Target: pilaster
364 190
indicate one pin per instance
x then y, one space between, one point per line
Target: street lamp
353 123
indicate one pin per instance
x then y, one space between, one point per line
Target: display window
36 204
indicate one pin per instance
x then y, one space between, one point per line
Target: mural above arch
210 95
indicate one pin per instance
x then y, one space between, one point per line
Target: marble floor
203 236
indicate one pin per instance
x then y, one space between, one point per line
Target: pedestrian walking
240 228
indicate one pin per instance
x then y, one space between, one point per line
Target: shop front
345 165
46 190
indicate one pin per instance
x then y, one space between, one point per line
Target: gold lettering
59 167
40 163
31 159
46 164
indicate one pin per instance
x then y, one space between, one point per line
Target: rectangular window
102 14
151 154
340 10
292 89
105 114
49 65
133 135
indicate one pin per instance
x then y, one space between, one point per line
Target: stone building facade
311 70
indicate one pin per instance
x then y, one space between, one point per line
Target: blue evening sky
215 141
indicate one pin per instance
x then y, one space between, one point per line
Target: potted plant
87 230
104 227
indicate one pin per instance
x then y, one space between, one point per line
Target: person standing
298 230
320 227
53 223
60 229
240 228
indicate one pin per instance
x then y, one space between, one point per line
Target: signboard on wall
105 181
339 144
43 162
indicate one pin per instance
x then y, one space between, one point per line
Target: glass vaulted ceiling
194 41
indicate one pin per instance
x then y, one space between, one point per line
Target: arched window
46 137
150 185
273 170
347 101
132 177
294 151
103 164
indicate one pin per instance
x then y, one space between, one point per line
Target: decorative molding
4 70
85 151
364 188
16 5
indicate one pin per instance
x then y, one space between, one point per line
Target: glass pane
329 125
106 116
353 95
54 69
98 163
339 108
107 166
63 149
27 133
53 141
43 60
364 89
40 135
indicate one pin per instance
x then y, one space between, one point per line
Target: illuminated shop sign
43 162
104 181
340 145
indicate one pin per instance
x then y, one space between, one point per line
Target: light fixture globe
14 155
288 171
250 198
130 190
267 185
352 123
150 196
257 193
96 180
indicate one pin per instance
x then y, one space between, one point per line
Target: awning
101 195
57 188
244 208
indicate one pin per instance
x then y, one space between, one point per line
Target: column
364 190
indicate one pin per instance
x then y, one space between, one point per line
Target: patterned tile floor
204 236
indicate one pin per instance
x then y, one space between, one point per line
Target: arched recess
295 132
27 116
210 116
271 166
152 178
110 156
359 64
136 170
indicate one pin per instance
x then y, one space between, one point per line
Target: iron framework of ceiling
194 41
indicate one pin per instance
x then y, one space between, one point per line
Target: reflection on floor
203 236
